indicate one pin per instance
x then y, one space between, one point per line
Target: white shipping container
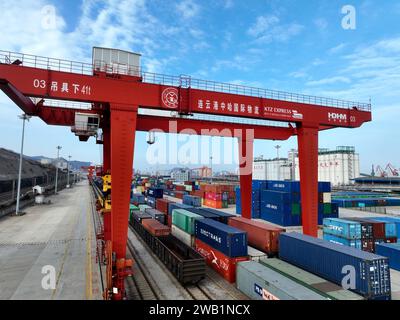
255 254
186 238
327 197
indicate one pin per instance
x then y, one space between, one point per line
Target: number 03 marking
39 83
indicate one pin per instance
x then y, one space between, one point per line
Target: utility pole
58 156
23 117
211 180
69 159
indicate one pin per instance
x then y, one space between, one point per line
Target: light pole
277 161
23 117
69 159
58 156
211 180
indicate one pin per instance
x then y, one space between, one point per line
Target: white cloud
337 49
228 4
268 29
188 9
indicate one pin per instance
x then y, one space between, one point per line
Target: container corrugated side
183 236
342 228
230 241
353 243
391 251
328 260
313 282
185 220
261 283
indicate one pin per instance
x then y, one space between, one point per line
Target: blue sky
296 46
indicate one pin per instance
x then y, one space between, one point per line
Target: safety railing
178 81
63 104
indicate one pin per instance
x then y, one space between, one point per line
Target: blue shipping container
259 184
391 251
230 241
342 228
284 186
328 260
354 243
191 200
138 198
155 192
151 202
205 214
390 219
174 205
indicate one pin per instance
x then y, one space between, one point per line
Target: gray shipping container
261 283
158 215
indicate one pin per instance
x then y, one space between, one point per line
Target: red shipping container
213 196
156 228
179 194
224 265
180 188
213 204
169 221
378 228
368 245
261 236
162 205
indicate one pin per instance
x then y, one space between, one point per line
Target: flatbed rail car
188 266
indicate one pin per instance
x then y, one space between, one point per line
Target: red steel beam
246 176
98 89
19 99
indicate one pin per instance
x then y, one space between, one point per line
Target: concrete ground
56 239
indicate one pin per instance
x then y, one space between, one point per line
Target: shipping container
140 215
224 265
138 198
183 236
203 213
284 186
162 205
185 220
151 201
254 254
390 226
226 239
143 207
328 261
224 217
354 243
342 228
157 215
377 227
389 219
326 197
367 230
192 201
261 283
391 251
174 205
311 281
156 228
260 235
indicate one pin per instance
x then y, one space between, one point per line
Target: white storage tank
116 61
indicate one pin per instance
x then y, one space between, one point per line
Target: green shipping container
327 208
309 280
184 220
296 209
225 204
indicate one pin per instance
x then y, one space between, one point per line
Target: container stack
329 260
138 198
183 225
360 233
219 196
156 215
153 194
363 199
221 245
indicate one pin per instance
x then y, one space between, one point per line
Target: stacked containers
343 232
223 216
367 235
183 225
328 260
255 203
156 228
222 246
205 214
192 201
162 205
393 220
260 235
384 232
216 196
151 201
156 193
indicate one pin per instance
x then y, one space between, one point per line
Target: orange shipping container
262 236
155 227
213 204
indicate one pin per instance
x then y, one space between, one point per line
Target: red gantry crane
117 90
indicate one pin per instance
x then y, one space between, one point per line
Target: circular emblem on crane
170 98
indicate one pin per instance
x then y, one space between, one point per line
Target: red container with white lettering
213 196
222 264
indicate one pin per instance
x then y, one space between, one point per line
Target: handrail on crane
7 57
